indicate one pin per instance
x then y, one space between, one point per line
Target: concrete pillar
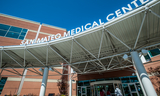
146 82
44 82
22 81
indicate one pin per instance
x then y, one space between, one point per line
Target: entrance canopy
95 50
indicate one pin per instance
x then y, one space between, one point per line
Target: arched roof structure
95 50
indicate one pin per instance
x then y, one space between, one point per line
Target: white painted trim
30 79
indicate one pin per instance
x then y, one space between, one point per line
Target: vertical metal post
148 87
44 82
22 81
70 82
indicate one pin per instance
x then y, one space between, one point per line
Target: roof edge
18 18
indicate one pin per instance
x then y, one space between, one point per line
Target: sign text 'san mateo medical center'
111 16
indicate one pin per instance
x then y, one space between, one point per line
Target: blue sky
67 14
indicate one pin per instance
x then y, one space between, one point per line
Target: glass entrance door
105 86
133 89
84 91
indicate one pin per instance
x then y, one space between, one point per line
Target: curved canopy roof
95 50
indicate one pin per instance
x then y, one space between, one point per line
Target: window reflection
12 31
125 79
2 83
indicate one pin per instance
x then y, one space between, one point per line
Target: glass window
80 83
24 30
125 80
154 52
21 37
12 35
116 78
109 79
15 29
4 27
86 83
2 83
23 33
133 79
147 58
2 32
100 79
13 32
93 80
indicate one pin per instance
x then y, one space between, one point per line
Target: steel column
70 82
141 84
44 82
22 81
150 91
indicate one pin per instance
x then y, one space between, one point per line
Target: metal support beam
13 59
35 57
22 81
85 67
118 39
63 58
109 39
71 52
154 13
44 82
59 55
16 71
90 54
100 44
12 72
35 72
47 55
140 29
57 71
150 91
110 62
76 68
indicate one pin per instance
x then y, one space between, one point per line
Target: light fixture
144 52
41 69
125 57
51 69
133 74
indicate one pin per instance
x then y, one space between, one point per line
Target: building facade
14 30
